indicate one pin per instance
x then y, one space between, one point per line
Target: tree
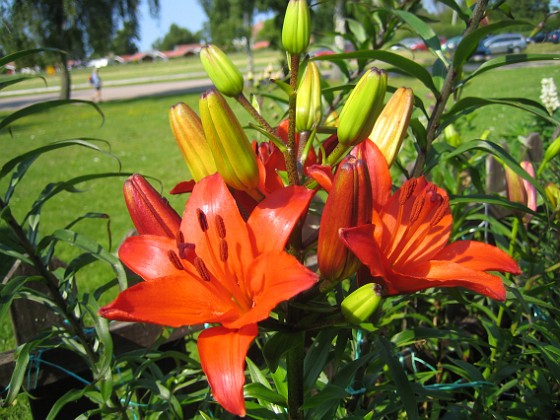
176 36
78 27
124 40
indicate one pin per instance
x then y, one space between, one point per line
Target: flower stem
291 152
244 102
446 90
294 362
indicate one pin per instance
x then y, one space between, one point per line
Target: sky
185 13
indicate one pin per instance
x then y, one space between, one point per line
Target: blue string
442 387
350 389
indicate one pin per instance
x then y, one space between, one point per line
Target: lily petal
172 301
222 356
274 278
433 273
378 171
361 242
148 256
478 256
274 218
212 197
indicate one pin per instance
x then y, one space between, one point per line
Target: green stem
446 90
294 364
291 151
244 102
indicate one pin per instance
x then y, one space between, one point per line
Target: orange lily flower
218 269
406 250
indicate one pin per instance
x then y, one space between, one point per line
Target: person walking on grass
95 81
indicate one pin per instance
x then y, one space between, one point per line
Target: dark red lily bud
349 204
149 211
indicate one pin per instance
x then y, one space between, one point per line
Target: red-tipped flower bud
362 303
390 127
149 211
296 30
188 132
362 108
234 157
224 74
349 204
308 102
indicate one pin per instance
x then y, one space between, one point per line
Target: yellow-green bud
224 74
189 135
552 191
362 108
552 150
390 127
296 30
362 303
234 157
308 102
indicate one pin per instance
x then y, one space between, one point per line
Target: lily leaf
43 106
406 65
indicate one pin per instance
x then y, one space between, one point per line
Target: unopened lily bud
149 211
224 74
349 204
234 157
390 127
520 190
362 108
552 191
452 136
362 303
308 102
296 30
552 150
187 130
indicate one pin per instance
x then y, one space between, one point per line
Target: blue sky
185 13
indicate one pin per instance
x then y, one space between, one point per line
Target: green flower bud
234 157
224 74
362 303
189 135
296 31
552 191
362 108
308 102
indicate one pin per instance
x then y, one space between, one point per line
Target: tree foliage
79 27
176 36
124 40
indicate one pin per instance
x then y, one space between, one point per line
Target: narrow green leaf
464 15
70 396
424 30
317 356
404 389
20 54
93 248
276 346
506 60
44 106
408 66
22 360
262 393
6 81
84 142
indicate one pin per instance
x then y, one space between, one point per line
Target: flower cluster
549 95
242 244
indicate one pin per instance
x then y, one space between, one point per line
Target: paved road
110 93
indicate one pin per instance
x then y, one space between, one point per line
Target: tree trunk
65 81
339 22
248 24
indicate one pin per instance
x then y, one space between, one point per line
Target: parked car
538 37
553 36
451 44
501 44
412 44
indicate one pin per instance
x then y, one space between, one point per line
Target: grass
181 69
